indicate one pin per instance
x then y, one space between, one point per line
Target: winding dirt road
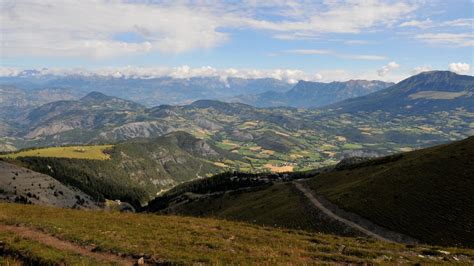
316 203
60 244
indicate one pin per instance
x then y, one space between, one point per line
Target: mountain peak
95 96
436 80
426 92
433 76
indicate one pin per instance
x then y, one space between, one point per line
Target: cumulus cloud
89 28
460 68
387 69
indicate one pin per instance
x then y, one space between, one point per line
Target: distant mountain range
308 94
148 92
14 101
33 90
425 109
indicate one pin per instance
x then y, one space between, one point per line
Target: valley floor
48 235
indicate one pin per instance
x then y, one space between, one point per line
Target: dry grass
195 240
279 169
95 152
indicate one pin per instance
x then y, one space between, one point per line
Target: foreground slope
177 240
427 194
262 199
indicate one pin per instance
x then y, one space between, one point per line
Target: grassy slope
192 240
34 253
279 205
427 194
95 152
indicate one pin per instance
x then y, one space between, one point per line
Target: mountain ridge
310 94
439 88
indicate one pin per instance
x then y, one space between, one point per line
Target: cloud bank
181 72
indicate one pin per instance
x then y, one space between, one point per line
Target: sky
289 40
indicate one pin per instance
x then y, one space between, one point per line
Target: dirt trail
329 213
57 243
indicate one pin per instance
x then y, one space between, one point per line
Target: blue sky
315 40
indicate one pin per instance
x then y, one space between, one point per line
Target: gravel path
316 203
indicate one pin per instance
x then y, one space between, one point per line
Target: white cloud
329 75
428 23
419 69
308 51
185 72
89 28
448 39
336 17
422 24
336 54
365 57
462 22
387 69
356 42
460 68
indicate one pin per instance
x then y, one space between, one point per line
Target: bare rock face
49 130
137 130
203 149
241 136
206 124
18 184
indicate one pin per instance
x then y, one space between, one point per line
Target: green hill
263 199
427 194
185 240
137 169
426 92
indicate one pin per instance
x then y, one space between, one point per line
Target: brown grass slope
427 194
186 240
